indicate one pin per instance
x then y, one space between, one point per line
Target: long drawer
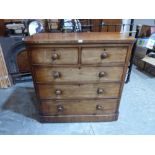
103 55
84 74
54 56
79 107
102 90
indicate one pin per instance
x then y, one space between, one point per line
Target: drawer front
54 56
81 107
103 55
103 90
85 74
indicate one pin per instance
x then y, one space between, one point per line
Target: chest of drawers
79 77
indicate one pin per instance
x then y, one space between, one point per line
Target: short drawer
102 90
83 74
103 55
55 56
79 107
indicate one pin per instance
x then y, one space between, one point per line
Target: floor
18 114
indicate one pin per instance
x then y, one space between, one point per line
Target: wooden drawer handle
104 55
55 56
56 75
99 107
101 74
60 108
100 91
58 92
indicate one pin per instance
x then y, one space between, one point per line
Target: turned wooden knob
58 92
56 75
100 91
60 108
99 107
101 74
55 56
104 55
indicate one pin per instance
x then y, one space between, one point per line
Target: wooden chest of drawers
79 76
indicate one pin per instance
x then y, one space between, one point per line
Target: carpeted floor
18 114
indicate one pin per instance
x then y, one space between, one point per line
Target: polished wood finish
55 55
99 90
79 118
103 55
83 74
79 76
78 38
99 107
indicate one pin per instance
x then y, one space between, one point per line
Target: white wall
140 21
144 22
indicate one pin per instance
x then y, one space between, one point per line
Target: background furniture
4 76
2 28
15 56
22 72
140 50
79 76
110 25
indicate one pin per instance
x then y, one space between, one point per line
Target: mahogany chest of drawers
79 77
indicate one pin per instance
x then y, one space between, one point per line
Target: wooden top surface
81 38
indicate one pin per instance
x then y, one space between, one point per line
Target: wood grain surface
79 38
87 107
83 74
79 77
64 55
110 90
